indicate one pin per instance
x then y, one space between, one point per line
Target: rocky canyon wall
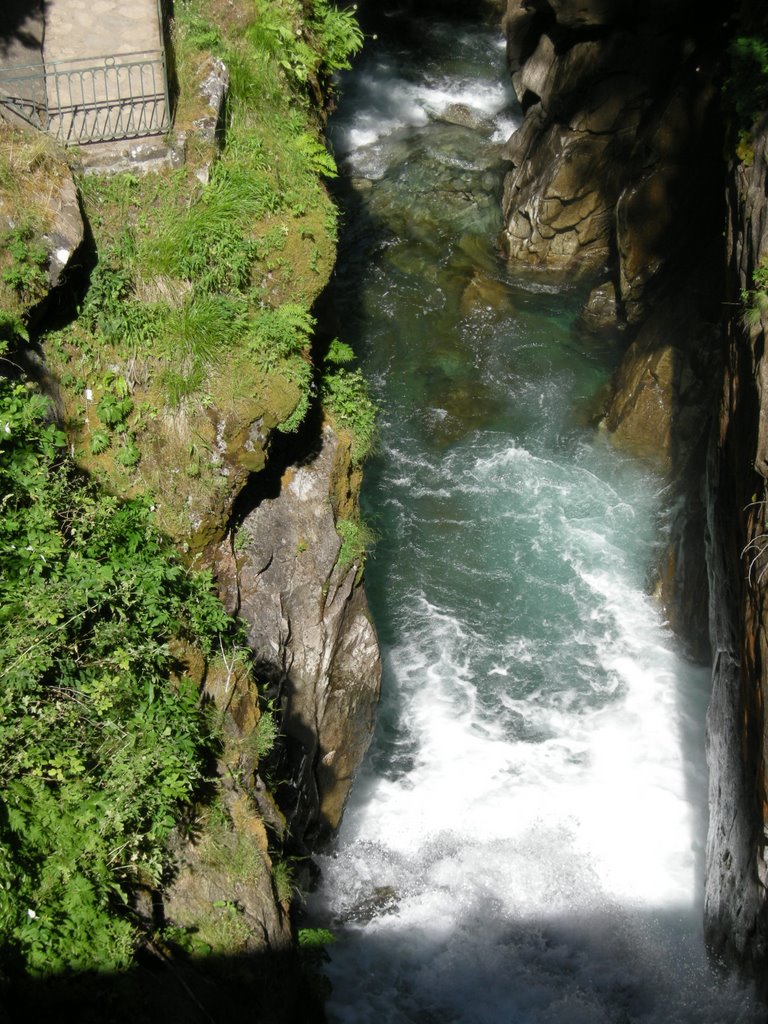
735 910
286 575
618 100
616 183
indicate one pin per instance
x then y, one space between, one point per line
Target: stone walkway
76 29
103 75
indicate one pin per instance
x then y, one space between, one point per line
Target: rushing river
525 842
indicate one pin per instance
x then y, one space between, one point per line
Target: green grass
356 538
192 278
755 300
201 294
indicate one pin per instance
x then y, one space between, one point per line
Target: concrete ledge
137 156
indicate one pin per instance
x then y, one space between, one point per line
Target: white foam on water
389 104
523 845
529 881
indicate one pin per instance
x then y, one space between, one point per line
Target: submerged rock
383 900
464 116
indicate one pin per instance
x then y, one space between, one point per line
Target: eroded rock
309 629
67 230
736 895
610 159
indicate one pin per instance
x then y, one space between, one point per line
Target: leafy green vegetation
348 402
30 170
194 327
315 938
329 36
313 944
755 300
356 537
747 85
26 274
283 880
100 752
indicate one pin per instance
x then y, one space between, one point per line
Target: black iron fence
90 99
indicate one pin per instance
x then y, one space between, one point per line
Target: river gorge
456 718
526 840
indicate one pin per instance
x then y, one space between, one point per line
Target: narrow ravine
525 842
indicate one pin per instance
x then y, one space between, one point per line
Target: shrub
346 398
746 88
99 752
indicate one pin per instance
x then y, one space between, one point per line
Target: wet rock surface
618 106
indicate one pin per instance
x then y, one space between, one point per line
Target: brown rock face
609 160
660 410
309 628
736 907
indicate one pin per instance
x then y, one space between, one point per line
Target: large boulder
610 158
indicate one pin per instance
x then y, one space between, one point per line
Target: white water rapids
524 843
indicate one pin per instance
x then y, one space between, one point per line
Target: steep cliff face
616 98
736 909
286 574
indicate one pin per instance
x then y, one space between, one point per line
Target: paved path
103 74
21 31
99 28
21 43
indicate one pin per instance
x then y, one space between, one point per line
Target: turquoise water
524 843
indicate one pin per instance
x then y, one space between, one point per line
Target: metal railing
90 99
